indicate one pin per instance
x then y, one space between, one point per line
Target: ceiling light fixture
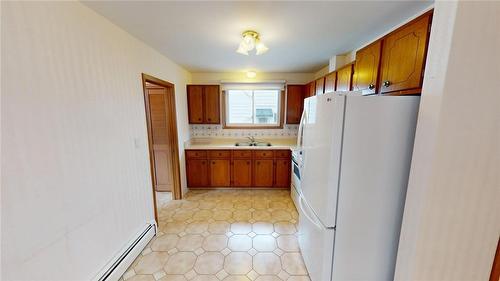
251 41
251 74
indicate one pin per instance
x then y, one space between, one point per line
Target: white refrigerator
355 154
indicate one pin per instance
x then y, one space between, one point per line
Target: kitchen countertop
228 143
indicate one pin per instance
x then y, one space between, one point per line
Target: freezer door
316 244
321 149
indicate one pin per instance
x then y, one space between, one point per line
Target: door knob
371 86
387 83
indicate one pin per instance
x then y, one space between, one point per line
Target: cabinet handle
199 119
258 162
371 86
213 162
203 162
209 119
219 152
248 162
387 83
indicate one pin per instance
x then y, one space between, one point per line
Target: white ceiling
301 36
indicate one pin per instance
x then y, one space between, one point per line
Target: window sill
280 126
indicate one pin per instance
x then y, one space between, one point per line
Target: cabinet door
242 172
403 56
311 89
320 86
212 104
263 172
220 172
294 103
330 80
195 104
344 78
197 172
282 177
366 69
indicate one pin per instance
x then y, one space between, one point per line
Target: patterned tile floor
230 235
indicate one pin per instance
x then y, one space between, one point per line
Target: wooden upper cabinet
320 86
195 104
203 104
212 104
366 68
344 78
330 81
294 103
403 57
310 89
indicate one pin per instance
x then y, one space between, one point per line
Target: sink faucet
251 139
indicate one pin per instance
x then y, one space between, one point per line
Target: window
253 108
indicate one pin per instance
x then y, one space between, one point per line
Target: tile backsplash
203 131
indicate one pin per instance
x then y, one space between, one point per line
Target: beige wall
76 183
216 77
451 222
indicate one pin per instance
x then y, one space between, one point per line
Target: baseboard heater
115 270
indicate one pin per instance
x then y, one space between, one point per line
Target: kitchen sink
253 144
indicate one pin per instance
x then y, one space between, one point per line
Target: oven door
296 176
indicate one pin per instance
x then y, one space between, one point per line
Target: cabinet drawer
219 154
191 154
264 154
282 153
242 154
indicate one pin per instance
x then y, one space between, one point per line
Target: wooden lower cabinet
282 174
242 172
197 172
238 168
263 175
220 172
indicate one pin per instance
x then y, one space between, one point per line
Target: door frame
174 142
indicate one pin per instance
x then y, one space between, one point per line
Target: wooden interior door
160 120
195 104
366 70
263 172
403 57
495 268
242 172
220 172
212 104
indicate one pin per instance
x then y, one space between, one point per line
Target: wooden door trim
495 268
174 143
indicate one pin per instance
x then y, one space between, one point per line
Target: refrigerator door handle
301 129
308 216
300 140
